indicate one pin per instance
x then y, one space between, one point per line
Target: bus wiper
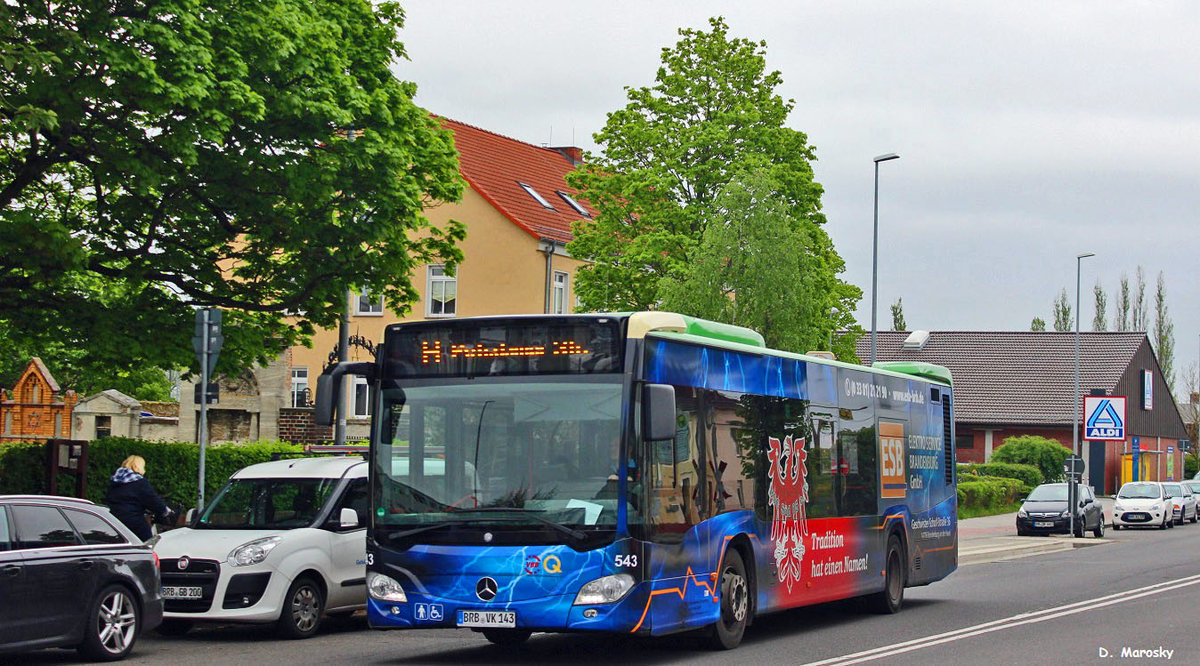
532 513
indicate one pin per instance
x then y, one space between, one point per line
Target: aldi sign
1104 418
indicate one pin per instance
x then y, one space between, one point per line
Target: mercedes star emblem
184 562
486 589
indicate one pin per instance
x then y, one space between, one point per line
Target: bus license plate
467 618
182 592
1044 523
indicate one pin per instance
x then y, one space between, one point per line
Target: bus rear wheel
891 598
734 589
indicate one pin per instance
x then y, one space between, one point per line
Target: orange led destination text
432 353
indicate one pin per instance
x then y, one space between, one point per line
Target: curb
1009 548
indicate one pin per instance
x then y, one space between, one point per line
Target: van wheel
726 633
506 637
302 609
895 574
112 627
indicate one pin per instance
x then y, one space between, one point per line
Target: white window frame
299 383
558 292
375 309
433 282
360 388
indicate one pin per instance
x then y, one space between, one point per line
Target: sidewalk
994 538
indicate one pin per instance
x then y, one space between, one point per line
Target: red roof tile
493 165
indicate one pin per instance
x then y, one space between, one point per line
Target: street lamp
875 256
1076 409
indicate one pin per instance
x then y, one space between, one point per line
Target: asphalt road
1139 590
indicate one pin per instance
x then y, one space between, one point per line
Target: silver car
1183 502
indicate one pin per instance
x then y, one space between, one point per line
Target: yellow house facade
518 212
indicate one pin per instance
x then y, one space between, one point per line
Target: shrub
1048 455
1027 474
172 467
990 493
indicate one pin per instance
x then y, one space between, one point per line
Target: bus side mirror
658 412
329 388
326 399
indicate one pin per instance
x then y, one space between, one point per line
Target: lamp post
875 256
1076 409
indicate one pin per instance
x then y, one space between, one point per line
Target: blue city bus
642 473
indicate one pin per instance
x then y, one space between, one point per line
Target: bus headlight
605 590
385 588
252 552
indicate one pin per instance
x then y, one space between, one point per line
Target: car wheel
112 625
1116 527
1099 531
1021 532
734 612
172 627
302 609
1166 521
894 574
1079 526
507 637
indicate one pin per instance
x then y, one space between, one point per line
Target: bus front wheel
734 589
892 597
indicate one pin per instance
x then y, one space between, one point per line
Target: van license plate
467 618
173 592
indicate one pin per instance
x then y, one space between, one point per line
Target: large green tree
711 114
1163 335
753 267
157 155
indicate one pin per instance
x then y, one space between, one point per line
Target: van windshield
258 504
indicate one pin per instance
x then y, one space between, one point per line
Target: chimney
572 153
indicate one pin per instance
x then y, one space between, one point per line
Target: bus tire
506 637
891 598
734 588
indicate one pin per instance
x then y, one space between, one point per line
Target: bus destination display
512 348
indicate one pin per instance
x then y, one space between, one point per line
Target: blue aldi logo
1104 418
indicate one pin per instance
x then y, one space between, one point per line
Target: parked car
1194 486
283 542
1045 511
1183 502
1142 504
71 575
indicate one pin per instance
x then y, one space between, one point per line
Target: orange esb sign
892 481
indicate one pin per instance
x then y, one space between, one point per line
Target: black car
71 575
1045 512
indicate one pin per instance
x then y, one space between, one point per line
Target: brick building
1023 383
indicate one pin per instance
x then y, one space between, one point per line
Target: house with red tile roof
1009 383
518 211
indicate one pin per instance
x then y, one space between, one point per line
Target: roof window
534 193
573 203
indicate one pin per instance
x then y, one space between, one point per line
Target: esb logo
892 478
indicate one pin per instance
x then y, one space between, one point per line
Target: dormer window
537 197
573 203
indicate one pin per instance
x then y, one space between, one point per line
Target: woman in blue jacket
130 496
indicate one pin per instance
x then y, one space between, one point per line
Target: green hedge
1027 474
990 493
1045 454
172 467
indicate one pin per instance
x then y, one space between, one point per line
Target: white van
283 542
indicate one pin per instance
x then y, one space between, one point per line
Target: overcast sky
1028 132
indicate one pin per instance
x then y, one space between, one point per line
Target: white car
1141 504
283 542
1182 500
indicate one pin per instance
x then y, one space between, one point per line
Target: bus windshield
457 459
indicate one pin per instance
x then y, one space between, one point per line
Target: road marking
1008 623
